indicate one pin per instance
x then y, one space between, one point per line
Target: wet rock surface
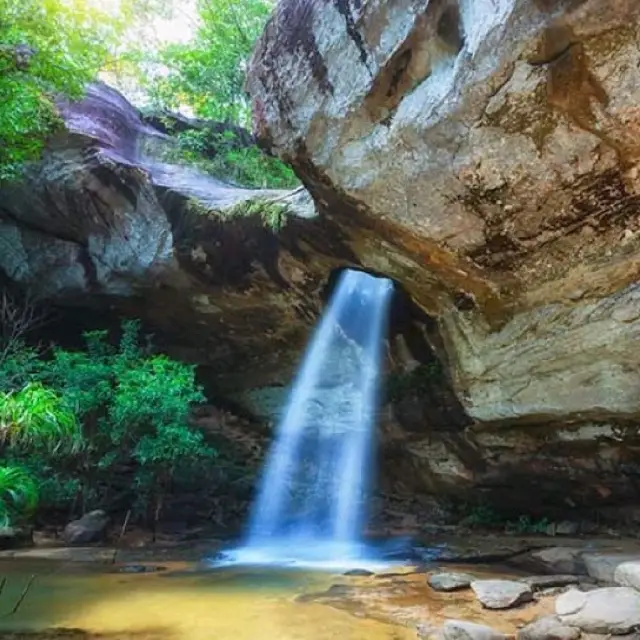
627 574
450 581
461 630
501 594
548 628
490 151
553 560
537 583
613 610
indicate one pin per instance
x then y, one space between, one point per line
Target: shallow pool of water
179 603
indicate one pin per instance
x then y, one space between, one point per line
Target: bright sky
155 32
181 26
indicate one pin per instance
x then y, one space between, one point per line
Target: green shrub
18 493
32 418
219 155
126 407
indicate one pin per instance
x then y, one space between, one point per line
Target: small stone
462 630
90 528
537 583
614 610
450 581
548 628
627 574
501 594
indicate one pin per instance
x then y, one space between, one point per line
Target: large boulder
501 594
91 527
614 610
485 154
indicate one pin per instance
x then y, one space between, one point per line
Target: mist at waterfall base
312 502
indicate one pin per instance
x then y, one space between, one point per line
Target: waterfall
311 504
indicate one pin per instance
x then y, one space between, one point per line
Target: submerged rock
501 594
15 537
614 610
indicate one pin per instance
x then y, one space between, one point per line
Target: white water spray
311 506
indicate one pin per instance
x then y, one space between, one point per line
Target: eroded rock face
98 225
486 155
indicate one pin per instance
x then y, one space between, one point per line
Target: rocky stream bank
438 588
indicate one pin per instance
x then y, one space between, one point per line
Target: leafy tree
207 73
47 47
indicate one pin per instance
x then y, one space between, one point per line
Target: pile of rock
603 601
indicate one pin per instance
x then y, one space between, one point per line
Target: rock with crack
501 594
613 610
485 154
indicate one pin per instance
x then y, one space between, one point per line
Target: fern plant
18 494
32 417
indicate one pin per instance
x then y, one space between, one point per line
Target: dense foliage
32 417
77 422
207 73
52 48
245 165
47 47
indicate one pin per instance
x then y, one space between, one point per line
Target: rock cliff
485 154
99 226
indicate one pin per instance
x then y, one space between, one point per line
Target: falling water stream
311 505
